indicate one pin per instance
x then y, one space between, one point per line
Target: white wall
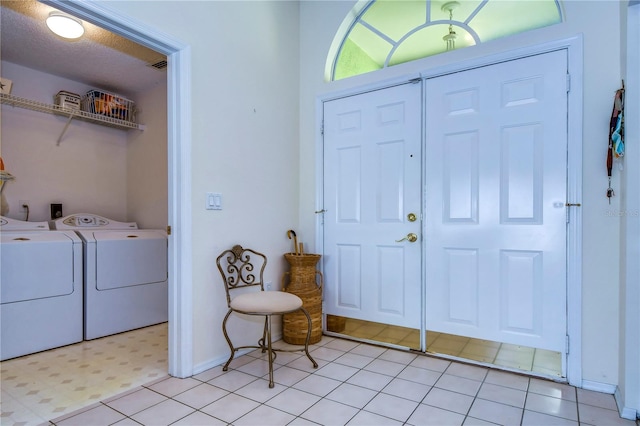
86 173
115 173
245 140
147 161
319 21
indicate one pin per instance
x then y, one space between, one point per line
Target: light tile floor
124 382
46 385
355 384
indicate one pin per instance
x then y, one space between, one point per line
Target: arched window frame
361 8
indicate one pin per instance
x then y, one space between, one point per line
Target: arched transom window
390 32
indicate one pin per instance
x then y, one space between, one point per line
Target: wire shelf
70 113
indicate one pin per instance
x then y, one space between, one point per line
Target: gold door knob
411 237
412 217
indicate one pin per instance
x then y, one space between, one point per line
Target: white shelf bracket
64 130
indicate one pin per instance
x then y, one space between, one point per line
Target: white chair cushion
266 302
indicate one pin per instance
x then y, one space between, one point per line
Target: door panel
495 221
372 175
460 178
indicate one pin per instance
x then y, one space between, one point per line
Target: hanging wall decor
616 135
5 86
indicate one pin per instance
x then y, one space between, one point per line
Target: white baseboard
207 365
599 387
197 369
625 412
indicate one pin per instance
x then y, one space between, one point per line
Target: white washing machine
125 274
41 288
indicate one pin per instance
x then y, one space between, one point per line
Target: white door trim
179 160
628 396
574 47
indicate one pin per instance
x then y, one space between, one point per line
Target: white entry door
495 217
372 175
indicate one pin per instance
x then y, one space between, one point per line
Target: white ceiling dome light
65 26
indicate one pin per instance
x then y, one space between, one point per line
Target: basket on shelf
109 105
304 281
67 100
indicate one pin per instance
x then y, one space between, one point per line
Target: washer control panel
8 224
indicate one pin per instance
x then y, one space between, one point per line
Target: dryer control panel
84 220
81 221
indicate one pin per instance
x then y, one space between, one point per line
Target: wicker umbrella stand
304 281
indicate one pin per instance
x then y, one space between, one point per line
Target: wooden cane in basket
291 232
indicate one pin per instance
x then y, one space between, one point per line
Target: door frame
180 340
628 393
575 54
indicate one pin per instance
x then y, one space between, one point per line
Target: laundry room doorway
178 149
491 226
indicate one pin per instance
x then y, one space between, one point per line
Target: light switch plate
213 201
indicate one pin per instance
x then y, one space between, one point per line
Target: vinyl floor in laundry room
355 384
43 386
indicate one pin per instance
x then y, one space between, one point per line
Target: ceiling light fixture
64 25
450 38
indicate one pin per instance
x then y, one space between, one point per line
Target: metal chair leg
263 342
270 350
226 336
266 343
306 342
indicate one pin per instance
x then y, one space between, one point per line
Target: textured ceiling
99 58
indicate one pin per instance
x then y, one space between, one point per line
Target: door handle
411 237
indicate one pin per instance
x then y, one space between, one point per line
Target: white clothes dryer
125 274
41 293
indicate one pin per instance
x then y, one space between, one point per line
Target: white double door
480 158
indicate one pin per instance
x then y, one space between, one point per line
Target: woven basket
295 325
336 324
303 271
304 281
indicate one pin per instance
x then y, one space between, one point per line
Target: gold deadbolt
411 237
412 217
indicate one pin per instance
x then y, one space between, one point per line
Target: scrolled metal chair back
241 267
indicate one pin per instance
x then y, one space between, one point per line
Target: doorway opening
179 149
342 257
178 331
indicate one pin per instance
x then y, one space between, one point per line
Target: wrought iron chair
241 268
